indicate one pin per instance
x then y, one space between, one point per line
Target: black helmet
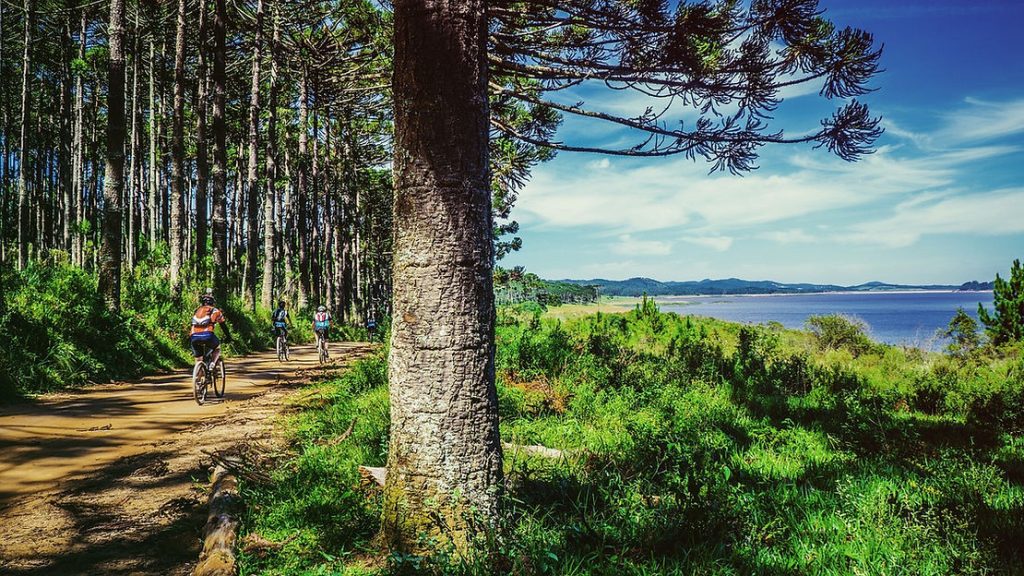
280 303
207 300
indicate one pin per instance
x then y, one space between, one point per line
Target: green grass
700 447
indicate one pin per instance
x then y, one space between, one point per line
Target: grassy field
695 447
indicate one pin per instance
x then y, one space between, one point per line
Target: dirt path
112 479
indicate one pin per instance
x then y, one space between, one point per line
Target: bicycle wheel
199 377
286 355
219 378
280 349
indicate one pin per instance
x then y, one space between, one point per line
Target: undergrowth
696 447
57 332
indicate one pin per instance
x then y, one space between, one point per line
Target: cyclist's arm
224 326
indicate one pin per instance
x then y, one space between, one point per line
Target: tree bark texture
113 181
269 200
202 156
177 226
302 185
220 157
23 157
444 458
252 178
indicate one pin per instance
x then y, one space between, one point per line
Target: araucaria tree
725 60
113 186
1006 323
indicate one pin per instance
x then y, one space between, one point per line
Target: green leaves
1006 323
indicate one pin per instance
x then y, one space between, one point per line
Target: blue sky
941 201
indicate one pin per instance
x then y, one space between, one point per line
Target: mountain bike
321 347
208 374
282 348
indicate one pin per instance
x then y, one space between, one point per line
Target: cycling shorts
203 342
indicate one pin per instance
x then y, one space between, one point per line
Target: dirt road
111 479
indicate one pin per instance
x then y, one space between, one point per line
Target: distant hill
639 286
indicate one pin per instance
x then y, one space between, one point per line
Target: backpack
321 321
203 316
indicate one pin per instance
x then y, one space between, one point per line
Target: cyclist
322 324
204 320
281 320
371 328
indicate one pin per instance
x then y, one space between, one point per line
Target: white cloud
990 213
602 164
631 197
983 120
790 236
630 246
719 243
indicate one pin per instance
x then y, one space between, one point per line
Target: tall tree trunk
288 219
302 222
178 155
23 156
136 165
113 181
444 456
252 205
220 157
202 160
153 183
267 294
4 151
68 217
79 166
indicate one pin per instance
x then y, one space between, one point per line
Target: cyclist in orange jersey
204 320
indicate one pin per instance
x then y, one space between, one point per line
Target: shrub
838 331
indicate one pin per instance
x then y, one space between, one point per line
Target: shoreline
674 297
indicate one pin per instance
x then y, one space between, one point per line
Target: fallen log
535 450
221 530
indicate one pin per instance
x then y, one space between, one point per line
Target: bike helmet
280 304
207 300
321 308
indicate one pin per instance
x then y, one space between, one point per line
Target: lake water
909 318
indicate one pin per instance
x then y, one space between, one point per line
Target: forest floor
112 478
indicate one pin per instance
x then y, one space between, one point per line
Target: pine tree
1006 323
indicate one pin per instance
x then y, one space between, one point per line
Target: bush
838 331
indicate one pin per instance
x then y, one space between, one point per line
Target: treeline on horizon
641 286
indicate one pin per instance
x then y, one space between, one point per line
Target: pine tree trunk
202 159
136 164
113 182
177 226
288 237
78 165
444 457
252 184
4 151
68 217
152 204
267 295
220 157
23 156
302 221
